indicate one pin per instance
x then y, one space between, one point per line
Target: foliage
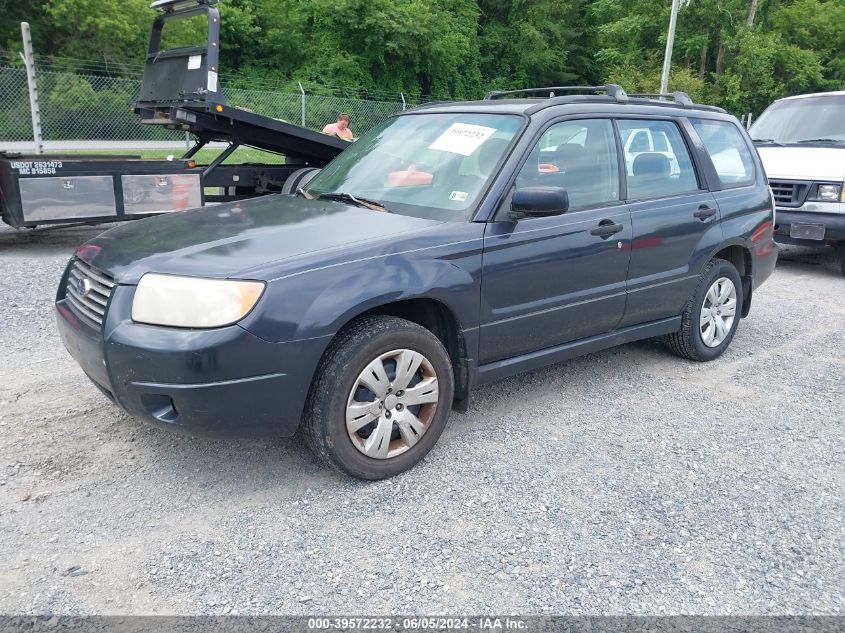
725 52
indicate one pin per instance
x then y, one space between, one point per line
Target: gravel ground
624 482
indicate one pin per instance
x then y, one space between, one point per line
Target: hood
227 239
803 163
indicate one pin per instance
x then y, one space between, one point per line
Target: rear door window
728 151
666 169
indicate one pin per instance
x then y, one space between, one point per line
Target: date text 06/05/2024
417 623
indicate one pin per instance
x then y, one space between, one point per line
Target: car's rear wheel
380 399
711 316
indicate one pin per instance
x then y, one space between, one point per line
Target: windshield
433 166
807 120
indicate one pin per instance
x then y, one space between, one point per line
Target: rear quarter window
728 152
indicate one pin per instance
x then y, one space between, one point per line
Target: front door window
578 155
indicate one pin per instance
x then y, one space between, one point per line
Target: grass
203 157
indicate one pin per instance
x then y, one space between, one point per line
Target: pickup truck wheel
711 316
380 399
842 256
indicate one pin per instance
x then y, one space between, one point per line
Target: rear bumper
221 382
834 224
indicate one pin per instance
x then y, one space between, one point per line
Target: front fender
396 279
320 301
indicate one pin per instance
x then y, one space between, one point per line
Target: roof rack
681 98
613 90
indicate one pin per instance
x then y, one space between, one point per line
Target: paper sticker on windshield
194 62
212 81
462 138
458 196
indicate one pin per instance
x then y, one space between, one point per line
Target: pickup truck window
807 120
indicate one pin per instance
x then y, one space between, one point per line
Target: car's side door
551 280
673 216
741 190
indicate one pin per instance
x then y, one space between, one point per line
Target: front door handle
606 228
704 212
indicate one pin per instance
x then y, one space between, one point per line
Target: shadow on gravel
235 466
822 260
47 240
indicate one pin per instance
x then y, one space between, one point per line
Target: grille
789 194
88 291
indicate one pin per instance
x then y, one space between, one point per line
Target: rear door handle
606 228
704 212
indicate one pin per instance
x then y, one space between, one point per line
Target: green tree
535 43
98 30
816 26
738 53
412 46
12 13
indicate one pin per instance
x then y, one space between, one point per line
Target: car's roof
575 103
507 106
835 93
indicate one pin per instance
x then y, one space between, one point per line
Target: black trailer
45 189
180 91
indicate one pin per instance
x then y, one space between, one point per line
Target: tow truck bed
217 122
179 91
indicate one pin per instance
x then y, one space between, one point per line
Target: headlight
193 302
829 193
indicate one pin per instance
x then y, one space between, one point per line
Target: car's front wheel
711 316
842 256
380 399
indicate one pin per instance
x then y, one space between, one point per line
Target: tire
390 441
699 342
299 178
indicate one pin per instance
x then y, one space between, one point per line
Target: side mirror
539 202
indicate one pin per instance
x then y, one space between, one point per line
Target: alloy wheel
392 404
718 312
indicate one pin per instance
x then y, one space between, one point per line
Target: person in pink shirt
340 129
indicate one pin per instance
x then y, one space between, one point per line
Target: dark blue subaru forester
453 245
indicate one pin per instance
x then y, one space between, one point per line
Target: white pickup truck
801 141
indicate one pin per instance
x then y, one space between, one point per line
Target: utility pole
670 41
29 62
302 93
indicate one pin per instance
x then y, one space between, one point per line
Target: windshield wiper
766 141
342 196
827 141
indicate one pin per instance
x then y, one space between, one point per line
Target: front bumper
221 382
834 224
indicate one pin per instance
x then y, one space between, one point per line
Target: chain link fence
15 116
94 107
313 111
